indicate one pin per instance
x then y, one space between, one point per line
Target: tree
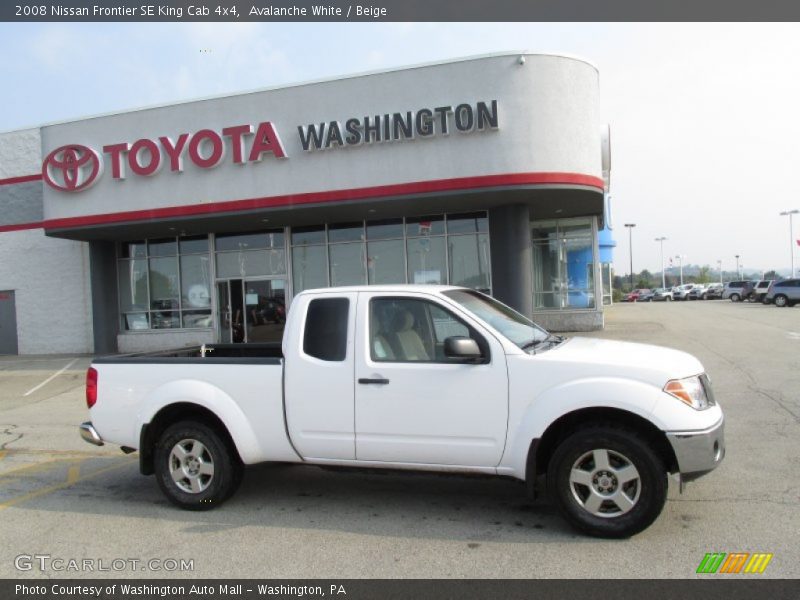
771 275
644 279
704 274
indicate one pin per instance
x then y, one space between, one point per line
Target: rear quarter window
325 335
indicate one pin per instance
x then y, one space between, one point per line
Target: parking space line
49 379
2 454
40 466
60 486
73 474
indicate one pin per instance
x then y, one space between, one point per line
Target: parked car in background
713 291
662 295
783 293
736 291
635 294
646 296
760 290
682 291
697 292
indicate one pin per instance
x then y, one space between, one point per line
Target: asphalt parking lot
63 498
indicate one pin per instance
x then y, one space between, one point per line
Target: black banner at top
398 10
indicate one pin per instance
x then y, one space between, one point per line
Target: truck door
319 364
413 404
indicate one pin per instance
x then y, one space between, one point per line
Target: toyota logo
72 168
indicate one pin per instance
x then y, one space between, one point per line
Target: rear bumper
698 452
89 434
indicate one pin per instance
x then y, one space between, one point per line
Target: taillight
91 387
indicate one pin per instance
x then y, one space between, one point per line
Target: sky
705 118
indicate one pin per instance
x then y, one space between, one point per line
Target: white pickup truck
431 378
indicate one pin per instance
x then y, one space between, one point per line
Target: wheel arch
175 413
541 449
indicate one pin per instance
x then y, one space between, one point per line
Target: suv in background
713 291
662 294
736 291
682 291
760 290
784 293
697 292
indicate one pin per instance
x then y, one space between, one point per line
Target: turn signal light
91 387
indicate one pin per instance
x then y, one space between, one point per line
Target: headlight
694 391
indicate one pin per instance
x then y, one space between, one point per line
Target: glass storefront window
309 267
469 261
167 247
425 226
132 278
383 230
251 263
162 288
469 223
563 264
249 241
346 232
386 262
194 245
302 236
347 264
426 260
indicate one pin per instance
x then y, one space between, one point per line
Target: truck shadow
368 502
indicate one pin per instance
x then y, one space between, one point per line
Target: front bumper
89 434
698 452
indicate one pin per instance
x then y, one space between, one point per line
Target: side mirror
464 348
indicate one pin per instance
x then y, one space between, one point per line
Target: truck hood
653 364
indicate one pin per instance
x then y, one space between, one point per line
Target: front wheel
607 481
195 467
781 300
735 297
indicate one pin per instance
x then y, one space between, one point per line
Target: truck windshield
517 328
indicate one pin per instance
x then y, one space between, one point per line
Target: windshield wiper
552 339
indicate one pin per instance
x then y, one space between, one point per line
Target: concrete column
512 257
105 306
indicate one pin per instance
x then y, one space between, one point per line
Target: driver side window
411 330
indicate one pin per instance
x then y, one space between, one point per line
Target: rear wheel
195 467
781 300
735 297
607 481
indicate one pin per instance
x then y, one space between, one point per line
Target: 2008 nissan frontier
431 378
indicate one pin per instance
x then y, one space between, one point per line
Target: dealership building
198 222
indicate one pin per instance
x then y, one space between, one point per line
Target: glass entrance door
251 310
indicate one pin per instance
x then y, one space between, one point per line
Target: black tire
211 490
781 301
623 447
735 297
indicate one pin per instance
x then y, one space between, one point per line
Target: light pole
663 277
680 258
719 268
738 274
791 234
630 227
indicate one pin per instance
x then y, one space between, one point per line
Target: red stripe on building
23 179
21 226
400 189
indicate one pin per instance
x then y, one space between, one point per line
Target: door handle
379 380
